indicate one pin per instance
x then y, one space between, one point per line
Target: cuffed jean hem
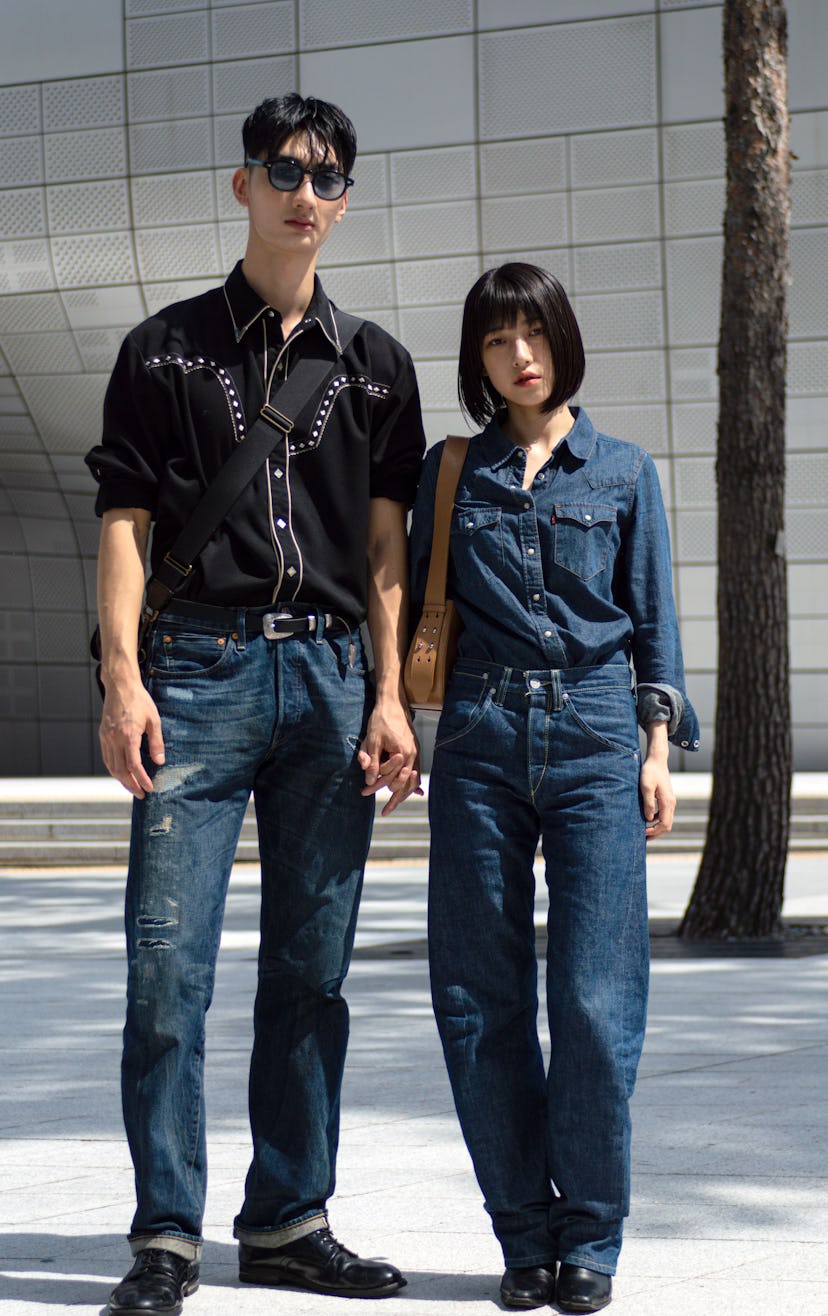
179 1244
588 1263
280 1235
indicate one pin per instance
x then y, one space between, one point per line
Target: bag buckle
276 418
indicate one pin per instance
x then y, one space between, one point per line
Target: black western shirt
187 386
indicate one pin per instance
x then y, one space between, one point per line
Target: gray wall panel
118 141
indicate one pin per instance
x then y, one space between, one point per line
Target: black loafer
583 1290
158 1282
524 1287
319 1263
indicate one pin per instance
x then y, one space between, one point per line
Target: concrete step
51 824
400 827
95 841
118 808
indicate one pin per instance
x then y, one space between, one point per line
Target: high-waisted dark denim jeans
520 755
283 719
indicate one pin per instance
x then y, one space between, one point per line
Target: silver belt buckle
270 625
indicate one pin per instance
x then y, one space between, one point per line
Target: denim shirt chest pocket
477 534
583 534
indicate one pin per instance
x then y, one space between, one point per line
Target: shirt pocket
583 535
477 533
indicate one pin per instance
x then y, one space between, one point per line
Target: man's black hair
323 125
496 301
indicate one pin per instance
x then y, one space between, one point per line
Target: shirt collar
498 450
246 307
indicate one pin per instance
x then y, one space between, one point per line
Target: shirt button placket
530 527
534 575
532 559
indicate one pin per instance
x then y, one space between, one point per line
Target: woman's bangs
502 305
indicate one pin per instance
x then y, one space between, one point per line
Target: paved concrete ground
730 1206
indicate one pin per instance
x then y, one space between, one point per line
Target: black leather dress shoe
158 1282
319 1263
524 1287
583 1290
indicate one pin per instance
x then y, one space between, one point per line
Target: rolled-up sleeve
128 461
647 583
398 443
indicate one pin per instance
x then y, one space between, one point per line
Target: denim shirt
573 572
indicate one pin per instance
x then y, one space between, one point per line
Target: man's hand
389 755
129 713
657 794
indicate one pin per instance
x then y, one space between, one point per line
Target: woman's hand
657 796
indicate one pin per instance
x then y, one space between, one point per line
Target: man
255 680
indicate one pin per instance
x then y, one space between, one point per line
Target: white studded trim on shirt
190 364
332 392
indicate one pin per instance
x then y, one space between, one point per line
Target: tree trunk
739 888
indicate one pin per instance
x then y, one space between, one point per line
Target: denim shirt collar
498 450
246 307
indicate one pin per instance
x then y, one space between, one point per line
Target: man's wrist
388 687
121 669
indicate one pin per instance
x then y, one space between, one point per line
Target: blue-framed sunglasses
287 175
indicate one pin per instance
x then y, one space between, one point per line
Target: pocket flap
467 520
585 514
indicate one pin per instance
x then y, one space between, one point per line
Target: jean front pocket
606 716
467 702
177 654
583 535
348 652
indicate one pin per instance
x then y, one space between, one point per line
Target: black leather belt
273 622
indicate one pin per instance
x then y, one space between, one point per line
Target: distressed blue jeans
282 719
521 756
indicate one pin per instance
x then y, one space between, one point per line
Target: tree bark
739 887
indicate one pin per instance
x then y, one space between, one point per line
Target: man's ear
343 206
241 185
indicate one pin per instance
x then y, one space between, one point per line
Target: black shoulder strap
245 460
347 326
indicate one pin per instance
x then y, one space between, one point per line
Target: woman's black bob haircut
322 124
495 302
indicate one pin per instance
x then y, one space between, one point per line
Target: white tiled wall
583 134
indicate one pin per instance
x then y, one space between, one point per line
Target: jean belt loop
241 632
503 687
555 691
319 630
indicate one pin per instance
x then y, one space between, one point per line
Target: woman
560 569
